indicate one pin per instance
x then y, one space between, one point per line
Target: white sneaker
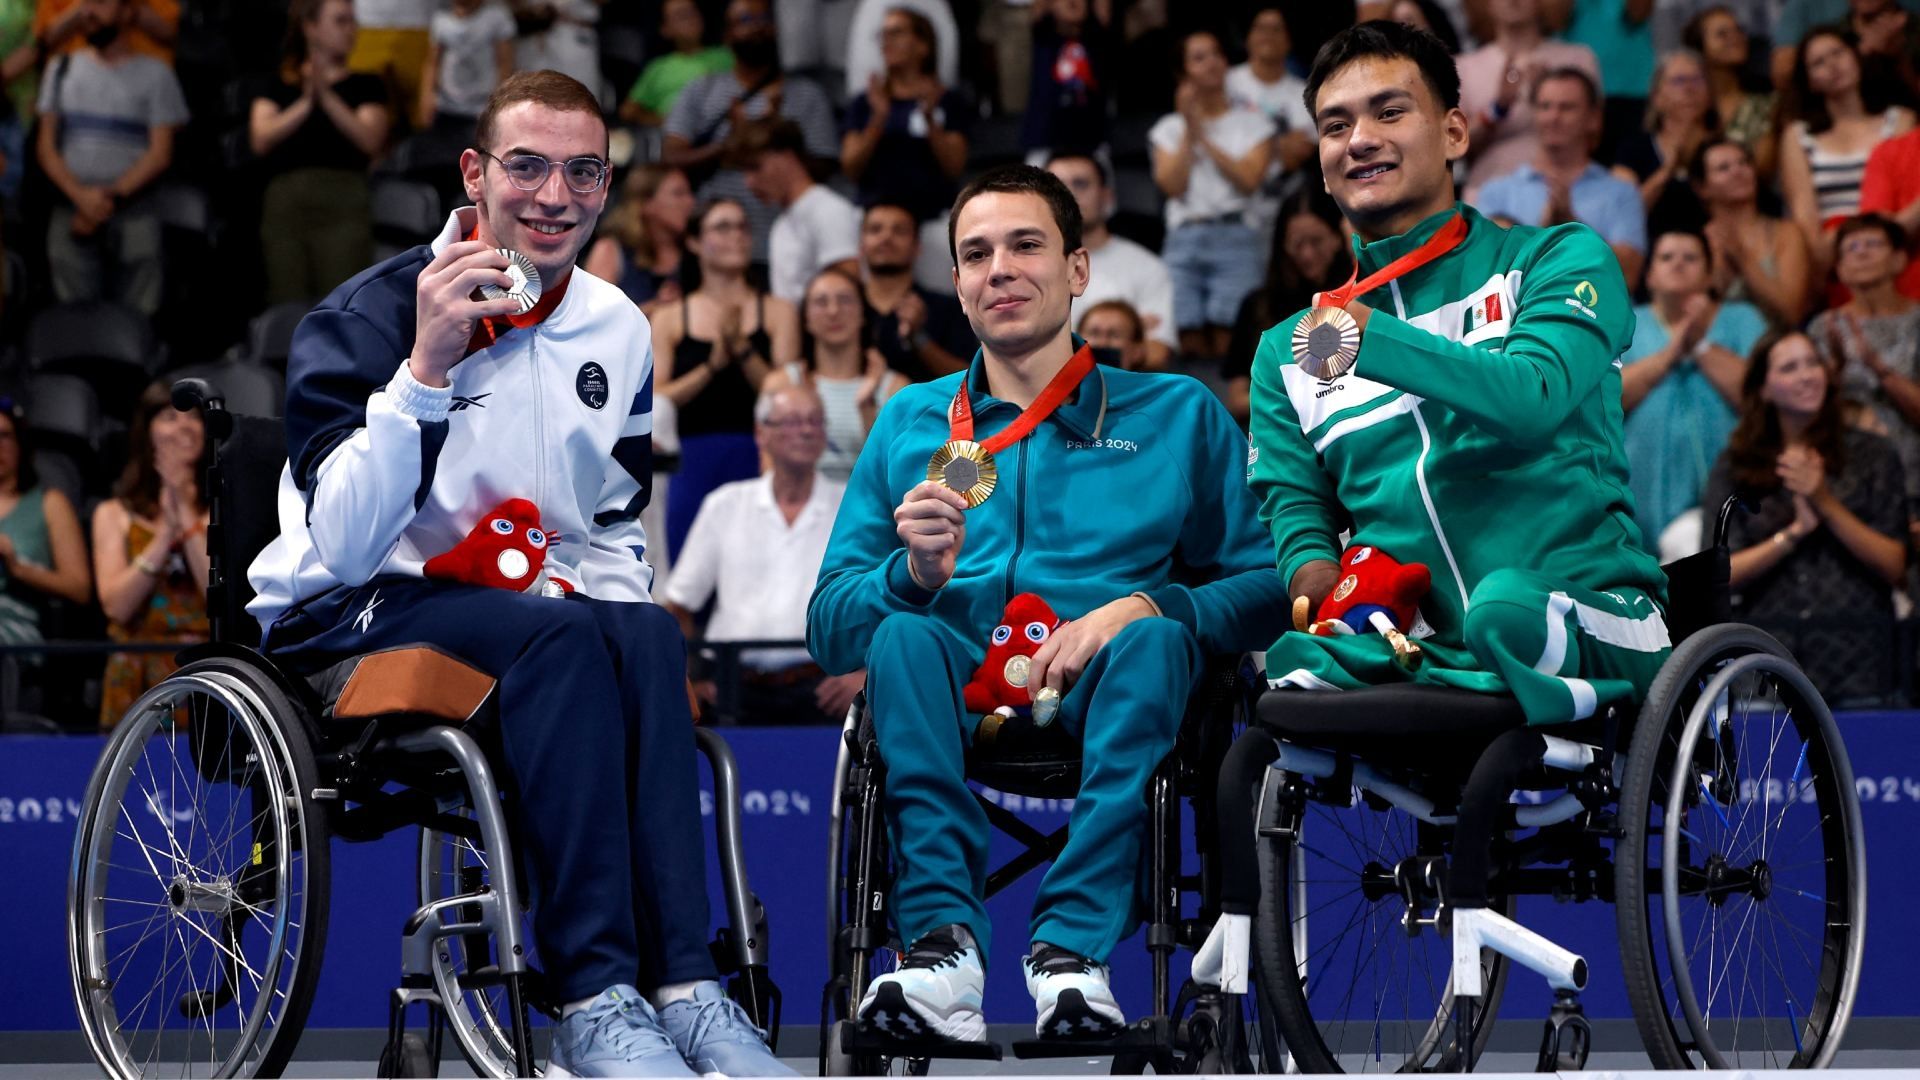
935 993
1071 994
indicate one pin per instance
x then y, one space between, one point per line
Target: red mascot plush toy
506 550
1375 593
999 688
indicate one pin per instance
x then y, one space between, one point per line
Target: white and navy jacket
384 473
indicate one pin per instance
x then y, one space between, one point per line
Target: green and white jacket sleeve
1573 319
1295 495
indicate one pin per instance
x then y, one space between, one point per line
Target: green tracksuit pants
1125 709
1564 651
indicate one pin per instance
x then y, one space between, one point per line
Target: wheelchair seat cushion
418 681
1390 720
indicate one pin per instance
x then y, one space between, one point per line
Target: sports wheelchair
1191 1031
1719 817
199 890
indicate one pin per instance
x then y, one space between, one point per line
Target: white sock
572 1007
672 992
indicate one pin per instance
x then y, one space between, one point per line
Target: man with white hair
754 550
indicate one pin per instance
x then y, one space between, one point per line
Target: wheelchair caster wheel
1567 1040
409 1059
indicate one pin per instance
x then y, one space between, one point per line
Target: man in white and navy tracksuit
412 410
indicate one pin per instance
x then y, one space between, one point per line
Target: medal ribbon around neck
967 467
1326 341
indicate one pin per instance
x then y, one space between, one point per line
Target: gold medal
1326 342
966 467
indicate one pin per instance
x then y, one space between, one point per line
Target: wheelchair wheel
480 1017
197 906
1349 989
1741 873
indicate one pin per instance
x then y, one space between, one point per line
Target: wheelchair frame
1566 857
1208 1039
346 778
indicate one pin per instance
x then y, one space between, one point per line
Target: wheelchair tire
479 1017
1732 726
184 914
1421 1037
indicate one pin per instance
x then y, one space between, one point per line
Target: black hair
1384 39
1698 165
1693 234
1020 180
1106 178
1809 106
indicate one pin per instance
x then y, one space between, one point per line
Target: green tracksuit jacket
1478 433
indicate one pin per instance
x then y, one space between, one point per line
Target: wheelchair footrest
860 1042
1145 1037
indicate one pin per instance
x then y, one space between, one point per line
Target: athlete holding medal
1118 498
1456 404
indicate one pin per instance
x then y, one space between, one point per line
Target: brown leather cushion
418 680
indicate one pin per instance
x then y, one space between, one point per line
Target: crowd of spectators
783 174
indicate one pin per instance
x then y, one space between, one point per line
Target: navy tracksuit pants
597 746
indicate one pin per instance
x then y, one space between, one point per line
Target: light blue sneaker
617 1034
715 1036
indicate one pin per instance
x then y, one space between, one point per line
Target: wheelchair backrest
244 503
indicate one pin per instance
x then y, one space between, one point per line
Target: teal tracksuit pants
1125 709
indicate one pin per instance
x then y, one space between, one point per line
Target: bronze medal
1326 342
965 467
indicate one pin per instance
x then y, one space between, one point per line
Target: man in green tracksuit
1123 507
1477 429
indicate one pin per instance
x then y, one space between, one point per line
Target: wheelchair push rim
480 1018
1763 897
197 891
1331 919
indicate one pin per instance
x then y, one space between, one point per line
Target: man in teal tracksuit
1126 510
1478 429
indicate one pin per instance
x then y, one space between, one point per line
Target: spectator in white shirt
1263 83
1209 157
1119 269
755 550
817 226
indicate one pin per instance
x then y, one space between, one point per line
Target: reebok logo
460 402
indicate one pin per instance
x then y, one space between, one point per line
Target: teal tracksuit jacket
1136 484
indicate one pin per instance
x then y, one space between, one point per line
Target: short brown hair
545 87
1020 180
1124 310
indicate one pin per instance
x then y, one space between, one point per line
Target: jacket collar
1371 257
1083 414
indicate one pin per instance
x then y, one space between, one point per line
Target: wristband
145 565
1149 600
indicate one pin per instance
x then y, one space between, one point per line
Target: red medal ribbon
1441 242
1056 392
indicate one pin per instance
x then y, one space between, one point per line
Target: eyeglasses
529 171
805 423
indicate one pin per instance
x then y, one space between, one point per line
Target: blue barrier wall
786 777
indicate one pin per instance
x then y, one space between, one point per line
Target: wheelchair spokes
1760 879
196 891
478 1010
1356 974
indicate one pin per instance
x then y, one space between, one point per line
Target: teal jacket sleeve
1242 604
863 578
1291 489
1573 318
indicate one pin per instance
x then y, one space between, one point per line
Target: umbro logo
461 402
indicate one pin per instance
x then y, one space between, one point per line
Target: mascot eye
1037 631
503 526
1001 634
536 538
